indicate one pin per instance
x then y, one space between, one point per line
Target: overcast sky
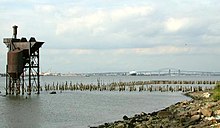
117 35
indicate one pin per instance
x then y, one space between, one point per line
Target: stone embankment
200 112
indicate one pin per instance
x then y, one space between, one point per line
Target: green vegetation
216 92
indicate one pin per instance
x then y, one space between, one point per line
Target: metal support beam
7 82
38 72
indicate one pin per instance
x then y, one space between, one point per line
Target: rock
194 113
53 92
143 114
218 118
210 118
206 95
202 116
206 112
210 105
140 126
198 112
182 113
162 114
145 118
217 112
165 120
153 113
119 125
215 125
150 120
182 119
129 125
107 124
184 102
195 118
136 120
133 120
125 117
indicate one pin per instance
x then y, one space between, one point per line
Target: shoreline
200 111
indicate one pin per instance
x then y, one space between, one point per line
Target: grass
216 92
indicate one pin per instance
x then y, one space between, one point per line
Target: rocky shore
200 112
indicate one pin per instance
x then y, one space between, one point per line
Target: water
81 109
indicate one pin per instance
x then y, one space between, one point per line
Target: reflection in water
22 112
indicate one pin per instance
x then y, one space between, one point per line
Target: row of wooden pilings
155 85
163 86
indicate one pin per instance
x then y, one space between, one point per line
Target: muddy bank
201 111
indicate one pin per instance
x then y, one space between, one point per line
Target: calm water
81 109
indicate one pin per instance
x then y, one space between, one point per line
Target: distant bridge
177 72
160 72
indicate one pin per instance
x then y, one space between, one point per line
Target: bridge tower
22 61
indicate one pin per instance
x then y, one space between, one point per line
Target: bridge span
177 72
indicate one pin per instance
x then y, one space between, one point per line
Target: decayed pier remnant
22 61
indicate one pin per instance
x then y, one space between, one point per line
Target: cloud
162 50
114 34
130 12
45 8
125 59
175 24
155 51
101 20
81 51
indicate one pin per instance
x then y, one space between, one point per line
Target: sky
117 35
